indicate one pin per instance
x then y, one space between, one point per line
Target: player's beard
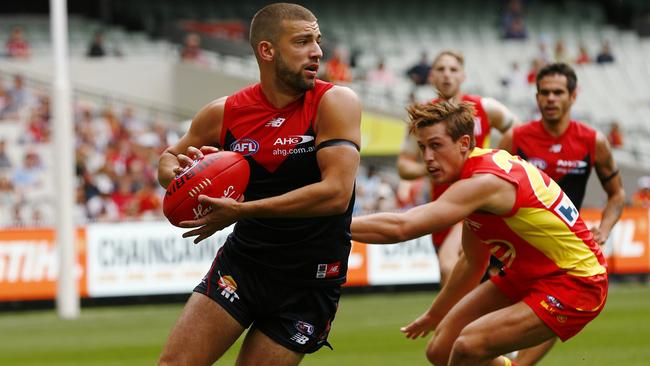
293 81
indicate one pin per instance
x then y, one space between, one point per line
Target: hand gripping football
220 174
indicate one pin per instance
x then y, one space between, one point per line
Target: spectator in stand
516 29
191 51
337 70
419 73
561 54
516 80
8 196
512 21
147 201
3 97
535 66
96 47
5 161
19 96
542 51
381 76
605 55
17 46
29 177
583 55
102 207
124 197
641 198
38 130
615 136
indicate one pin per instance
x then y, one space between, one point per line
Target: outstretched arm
484 191
610 179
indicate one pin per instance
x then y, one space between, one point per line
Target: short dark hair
457 117
267 22
559 68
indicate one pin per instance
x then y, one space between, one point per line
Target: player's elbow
403 231
618 197
340 203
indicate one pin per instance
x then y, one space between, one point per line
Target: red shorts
564 303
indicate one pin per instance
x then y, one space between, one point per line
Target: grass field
365 333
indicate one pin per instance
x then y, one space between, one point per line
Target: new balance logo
275 122
556 148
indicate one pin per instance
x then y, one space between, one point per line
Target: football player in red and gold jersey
512 210
566 150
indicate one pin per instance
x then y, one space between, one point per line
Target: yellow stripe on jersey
550 235
477 151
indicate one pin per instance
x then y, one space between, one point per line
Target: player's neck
557 129
276 95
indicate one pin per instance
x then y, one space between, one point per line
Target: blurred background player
566 150
280 271
447 76
554 279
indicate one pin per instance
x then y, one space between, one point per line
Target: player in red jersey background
555 278
566 150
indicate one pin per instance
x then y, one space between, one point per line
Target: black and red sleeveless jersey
567 159
279 145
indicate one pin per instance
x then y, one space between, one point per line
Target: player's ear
465 143
265 50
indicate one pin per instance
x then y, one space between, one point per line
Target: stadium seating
398 32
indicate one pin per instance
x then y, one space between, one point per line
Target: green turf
365 333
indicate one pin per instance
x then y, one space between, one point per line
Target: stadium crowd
116 149
116 153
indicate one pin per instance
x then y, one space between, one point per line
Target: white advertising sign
146 258
406 263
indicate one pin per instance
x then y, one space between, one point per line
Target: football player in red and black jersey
281 269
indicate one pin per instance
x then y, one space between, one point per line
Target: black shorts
295 316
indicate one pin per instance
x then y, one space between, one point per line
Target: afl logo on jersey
245 146
539 163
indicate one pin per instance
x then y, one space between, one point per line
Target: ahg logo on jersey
245 146
293 140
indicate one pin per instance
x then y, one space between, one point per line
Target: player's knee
468 347
170 358
436 354
166 359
